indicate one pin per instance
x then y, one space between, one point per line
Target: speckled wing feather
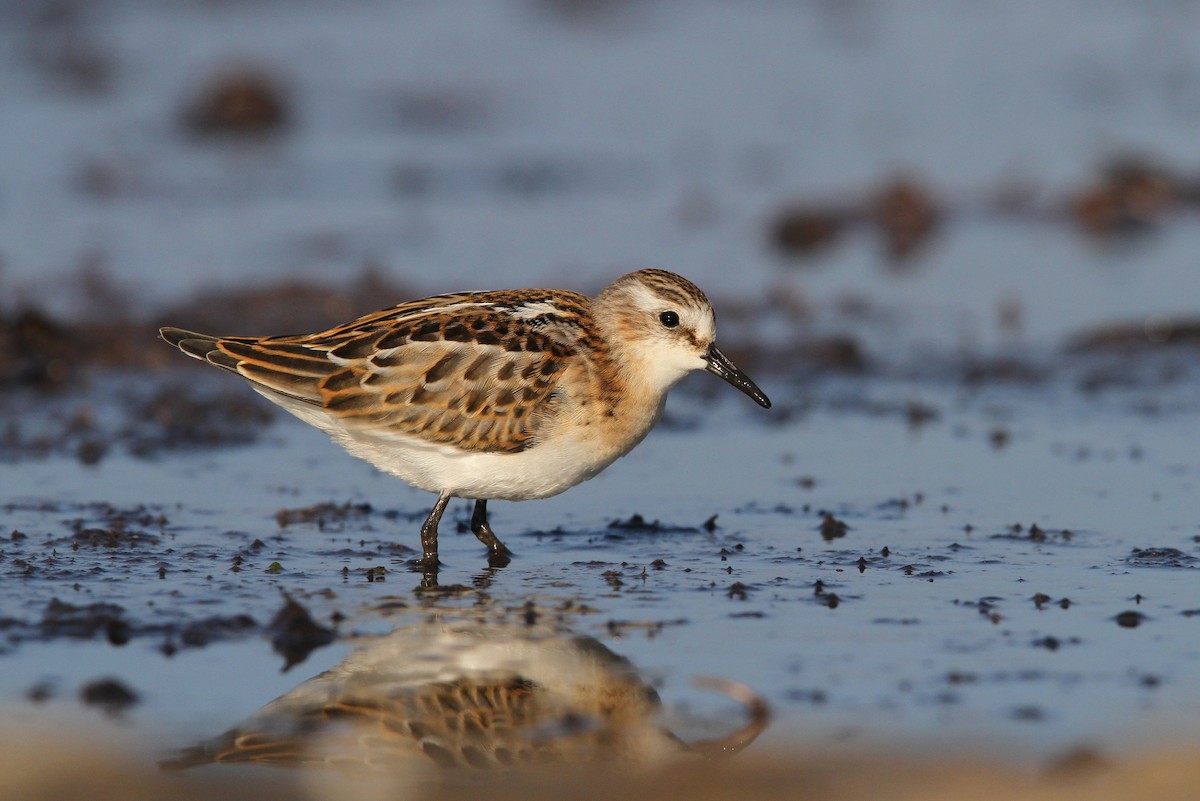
457 724
476 370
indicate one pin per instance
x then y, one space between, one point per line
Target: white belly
542 471
570 455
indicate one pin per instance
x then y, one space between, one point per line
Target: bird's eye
669 318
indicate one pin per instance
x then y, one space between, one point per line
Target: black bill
720 365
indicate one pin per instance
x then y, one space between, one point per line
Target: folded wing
466 370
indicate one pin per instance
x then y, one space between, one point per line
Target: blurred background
919 175
949 239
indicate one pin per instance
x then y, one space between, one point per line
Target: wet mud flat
958 557
993 559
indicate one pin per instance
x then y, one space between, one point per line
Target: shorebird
509 394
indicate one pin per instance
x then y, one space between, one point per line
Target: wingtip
198 346
174 336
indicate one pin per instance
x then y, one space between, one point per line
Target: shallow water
544 145
957 637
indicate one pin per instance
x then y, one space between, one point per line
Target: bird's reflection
470 695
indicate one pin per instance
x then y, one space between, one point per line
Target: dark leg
429 533
498 554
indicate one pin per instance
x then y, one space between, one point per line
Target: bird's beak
720 365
